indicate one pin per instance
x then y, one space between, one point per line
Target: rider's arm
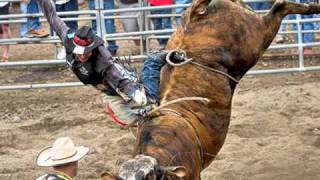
55 22
105 67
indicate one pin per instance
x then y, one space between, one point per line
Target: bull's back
230 30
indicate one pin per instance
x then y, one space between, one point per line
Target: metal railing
145 35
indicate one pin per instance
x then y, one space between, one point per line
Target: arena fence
145 34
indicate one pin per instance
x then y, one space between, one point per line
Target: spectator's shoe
308 51
38 33
61 54
279 39
4 59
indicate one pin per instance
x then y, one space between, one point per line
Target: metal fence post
300 39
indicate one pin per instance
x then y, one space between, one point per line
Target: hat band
82 42
75 152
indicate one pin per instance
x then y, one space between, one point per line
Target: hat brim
44 158
76 49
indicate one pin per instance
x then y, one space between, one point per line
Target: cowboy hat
62 151
82 41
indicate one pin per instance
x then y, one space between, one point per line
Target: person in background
163 22
181 10
63 157
63 6
68 5
24 25
5 29
35 29
109 23
130 24
308 37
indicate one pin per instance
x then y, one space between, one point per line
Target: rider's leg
121 112
150 75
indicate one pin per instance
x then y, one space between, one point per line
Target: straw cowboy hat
62 151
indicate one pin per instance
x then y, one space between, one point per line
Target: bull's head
145 168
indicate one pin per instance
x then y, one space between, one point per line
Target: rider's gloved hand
135 93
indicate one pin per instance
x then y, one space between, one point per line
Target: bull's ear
179 171
198 9
109 176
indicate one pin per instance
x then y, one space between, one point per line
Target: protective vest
83 70
53 177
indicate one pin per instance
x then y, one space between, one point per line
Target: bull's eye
203 11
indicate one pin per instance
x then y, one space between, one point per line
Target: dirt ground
274 131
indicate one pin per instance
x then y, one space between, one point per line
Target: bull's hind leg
278 11
282 8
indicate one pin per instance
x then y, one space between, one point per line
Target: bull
224 38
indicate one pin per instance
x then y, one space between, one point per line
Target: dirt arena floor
274 131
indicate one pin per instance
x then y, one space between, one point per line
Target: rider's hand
135 94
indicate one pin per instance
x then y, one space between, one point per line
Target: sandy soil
274 132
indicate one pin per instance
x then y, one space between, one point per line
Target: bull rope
176 101
161 107
183 60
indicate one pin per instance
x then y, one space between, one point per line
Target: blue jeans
150 76
33 22
23 26
72 5
162 23
260 5
109 23
181 10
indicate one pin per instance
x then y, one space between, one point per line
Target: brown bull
226 36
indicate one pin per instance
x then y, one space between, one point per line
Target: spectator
24 25
307 37
62 6
34 26
181 10
161 23
109 23
68 5
63 156
5 30
130 24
